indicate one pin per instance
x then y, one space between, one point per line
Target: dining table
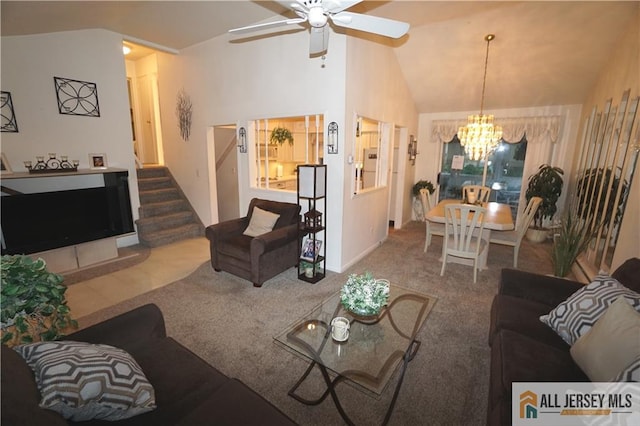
496 219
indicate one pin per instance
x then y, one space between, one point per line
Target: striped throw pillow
83 381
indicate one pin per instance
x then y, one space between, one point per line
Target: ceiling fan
319 12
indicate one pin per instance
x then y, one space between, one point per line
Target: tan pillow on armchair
261 222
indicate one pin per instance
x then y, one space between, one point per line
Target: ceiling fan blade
319 40
255 27
335 6
371 24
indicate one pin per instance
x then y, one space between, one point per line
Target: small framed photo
310 251
97 161
5 167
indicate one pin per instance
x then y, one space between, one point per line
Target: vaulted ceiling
545 52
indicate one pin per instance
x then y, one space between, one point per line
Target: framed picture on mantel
97 161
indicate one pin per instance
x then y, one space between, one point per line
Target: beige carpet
231 325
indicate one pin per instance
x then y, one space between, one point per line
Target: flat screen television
43 221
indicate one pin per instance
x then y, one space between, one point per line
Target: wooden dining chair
464 224
482 193
430 228
514 238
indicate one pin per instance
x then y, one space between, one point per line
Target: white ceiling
545 53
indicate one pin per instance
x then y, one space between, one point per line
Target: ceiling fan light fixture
316 17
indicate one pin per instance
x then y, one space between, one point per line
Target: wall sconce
242 139
413 149
332 144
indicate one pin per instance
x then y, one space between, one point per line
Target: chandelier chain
486 65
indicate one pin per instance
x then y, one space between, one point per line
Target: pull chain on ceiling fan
318 13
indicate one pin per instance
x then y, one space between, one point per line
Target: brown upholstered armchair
256 258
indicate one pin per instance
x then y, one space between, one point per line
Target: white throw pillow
83 381
612 343
261 222
576 315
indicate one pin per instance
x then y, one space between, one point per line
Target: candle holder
52 164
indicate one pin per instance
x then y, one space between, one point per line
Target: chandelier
479 137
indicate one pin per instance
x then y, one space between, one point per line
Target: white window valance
537 129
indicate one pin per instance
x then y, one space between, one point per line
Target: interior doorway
397 178
142 83
226 169
148 151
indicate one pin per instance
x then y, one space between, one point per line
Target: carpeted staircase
165 213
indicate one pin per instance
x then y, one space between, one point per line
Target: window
371 154
280 144
505 167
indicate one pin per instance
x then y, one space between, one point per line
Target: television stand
72 220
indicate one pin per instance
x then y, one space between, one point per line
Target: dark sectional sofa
188 390
523 349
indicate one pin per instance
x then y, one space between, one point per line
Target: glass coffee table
375 349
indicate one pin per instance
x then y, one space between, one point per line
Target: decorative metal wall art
183 112
77 97
242 140
52 165
332 143
413 149
9 123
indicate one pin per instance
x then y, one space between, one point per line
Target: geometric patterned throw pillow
576 315
630 374
83 381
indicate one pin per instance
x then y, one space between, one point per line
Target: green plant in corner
279 135
422 184
33 305
573 237
546 184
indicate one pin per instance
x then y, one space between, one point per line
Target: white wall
233 82
376 90
29 64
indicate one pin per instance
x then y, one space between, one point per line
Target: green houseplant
422 184
33 305
279 135
572 238
418 208
546 184
364 295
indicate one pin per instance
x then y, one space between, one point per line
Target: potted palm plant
546 184
33 305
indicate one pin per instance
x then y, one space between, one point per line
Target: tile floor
164 265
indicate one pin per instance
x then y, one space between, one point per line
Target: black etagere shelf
312 188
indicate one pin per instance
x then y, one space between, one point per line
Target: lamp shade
312 180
